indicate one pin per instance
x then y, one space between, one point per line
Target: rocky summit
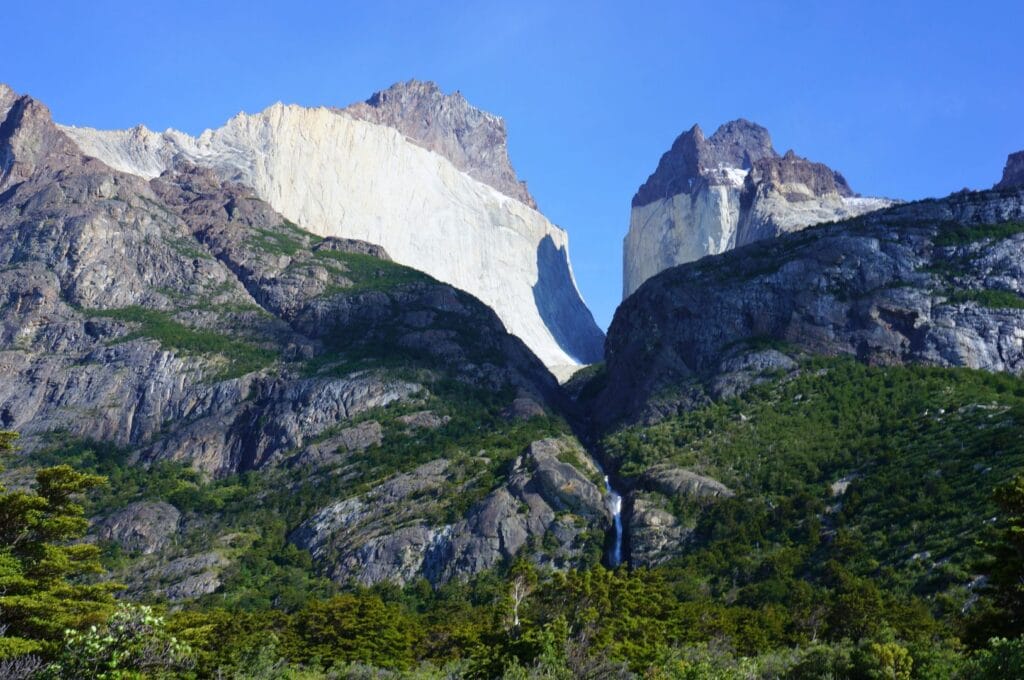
711 194
419 172
1013 173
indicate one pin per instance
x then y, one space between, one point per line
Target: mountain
321 462
1013 173
421 173
789 364
711 194
178 331
934 282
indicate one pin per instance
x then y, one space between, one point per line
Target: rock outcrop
548 509
181 319
711 194
670 481
420 173
933 282
143 527
474 141
1013 173
655 533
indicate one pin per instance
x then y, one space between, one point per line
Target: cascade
615 506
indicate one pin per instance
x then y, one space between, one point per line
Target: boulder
674 481
145 527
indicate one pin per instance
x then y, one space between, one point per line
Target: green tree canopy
42 593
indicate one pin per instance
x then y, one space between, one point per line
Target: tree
1001 659
354 627
1005 565
41 594
132 643
523 581
884 661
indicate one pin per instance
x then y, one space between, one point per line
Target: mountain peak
409 171
409 89
735 145
28 137
740 142
709 195
791 169
475 141
1013 172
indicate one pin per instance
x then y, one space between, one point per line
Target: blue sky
907 99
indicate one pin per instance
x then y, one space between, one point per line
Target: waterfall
615 506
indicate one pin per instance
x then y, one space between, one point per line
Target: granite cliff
711 194
804 356
421 173
247 383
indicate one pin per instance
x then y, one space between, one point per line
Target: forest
914 574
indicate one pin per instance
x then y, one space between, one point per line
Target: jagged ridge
927 282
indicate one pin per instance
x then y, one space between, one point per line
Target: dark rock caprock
709 195
1013 173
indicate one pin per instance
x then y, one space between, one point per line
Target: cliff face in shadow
561 308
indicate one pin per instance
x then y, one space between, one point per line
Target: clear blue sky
907 99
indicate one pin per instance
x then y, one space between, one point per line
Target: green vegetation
240 357
261 508
955 234
287 240
41 594
368 272
132 643
987 297
187 248
791 578
776 586
921 448
1004 563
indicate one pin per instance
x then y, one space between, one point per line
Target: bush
133 643
1003 658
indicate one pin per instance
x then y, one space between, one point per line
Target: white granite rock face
709 195
678 229
336 175
7 97
686 227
